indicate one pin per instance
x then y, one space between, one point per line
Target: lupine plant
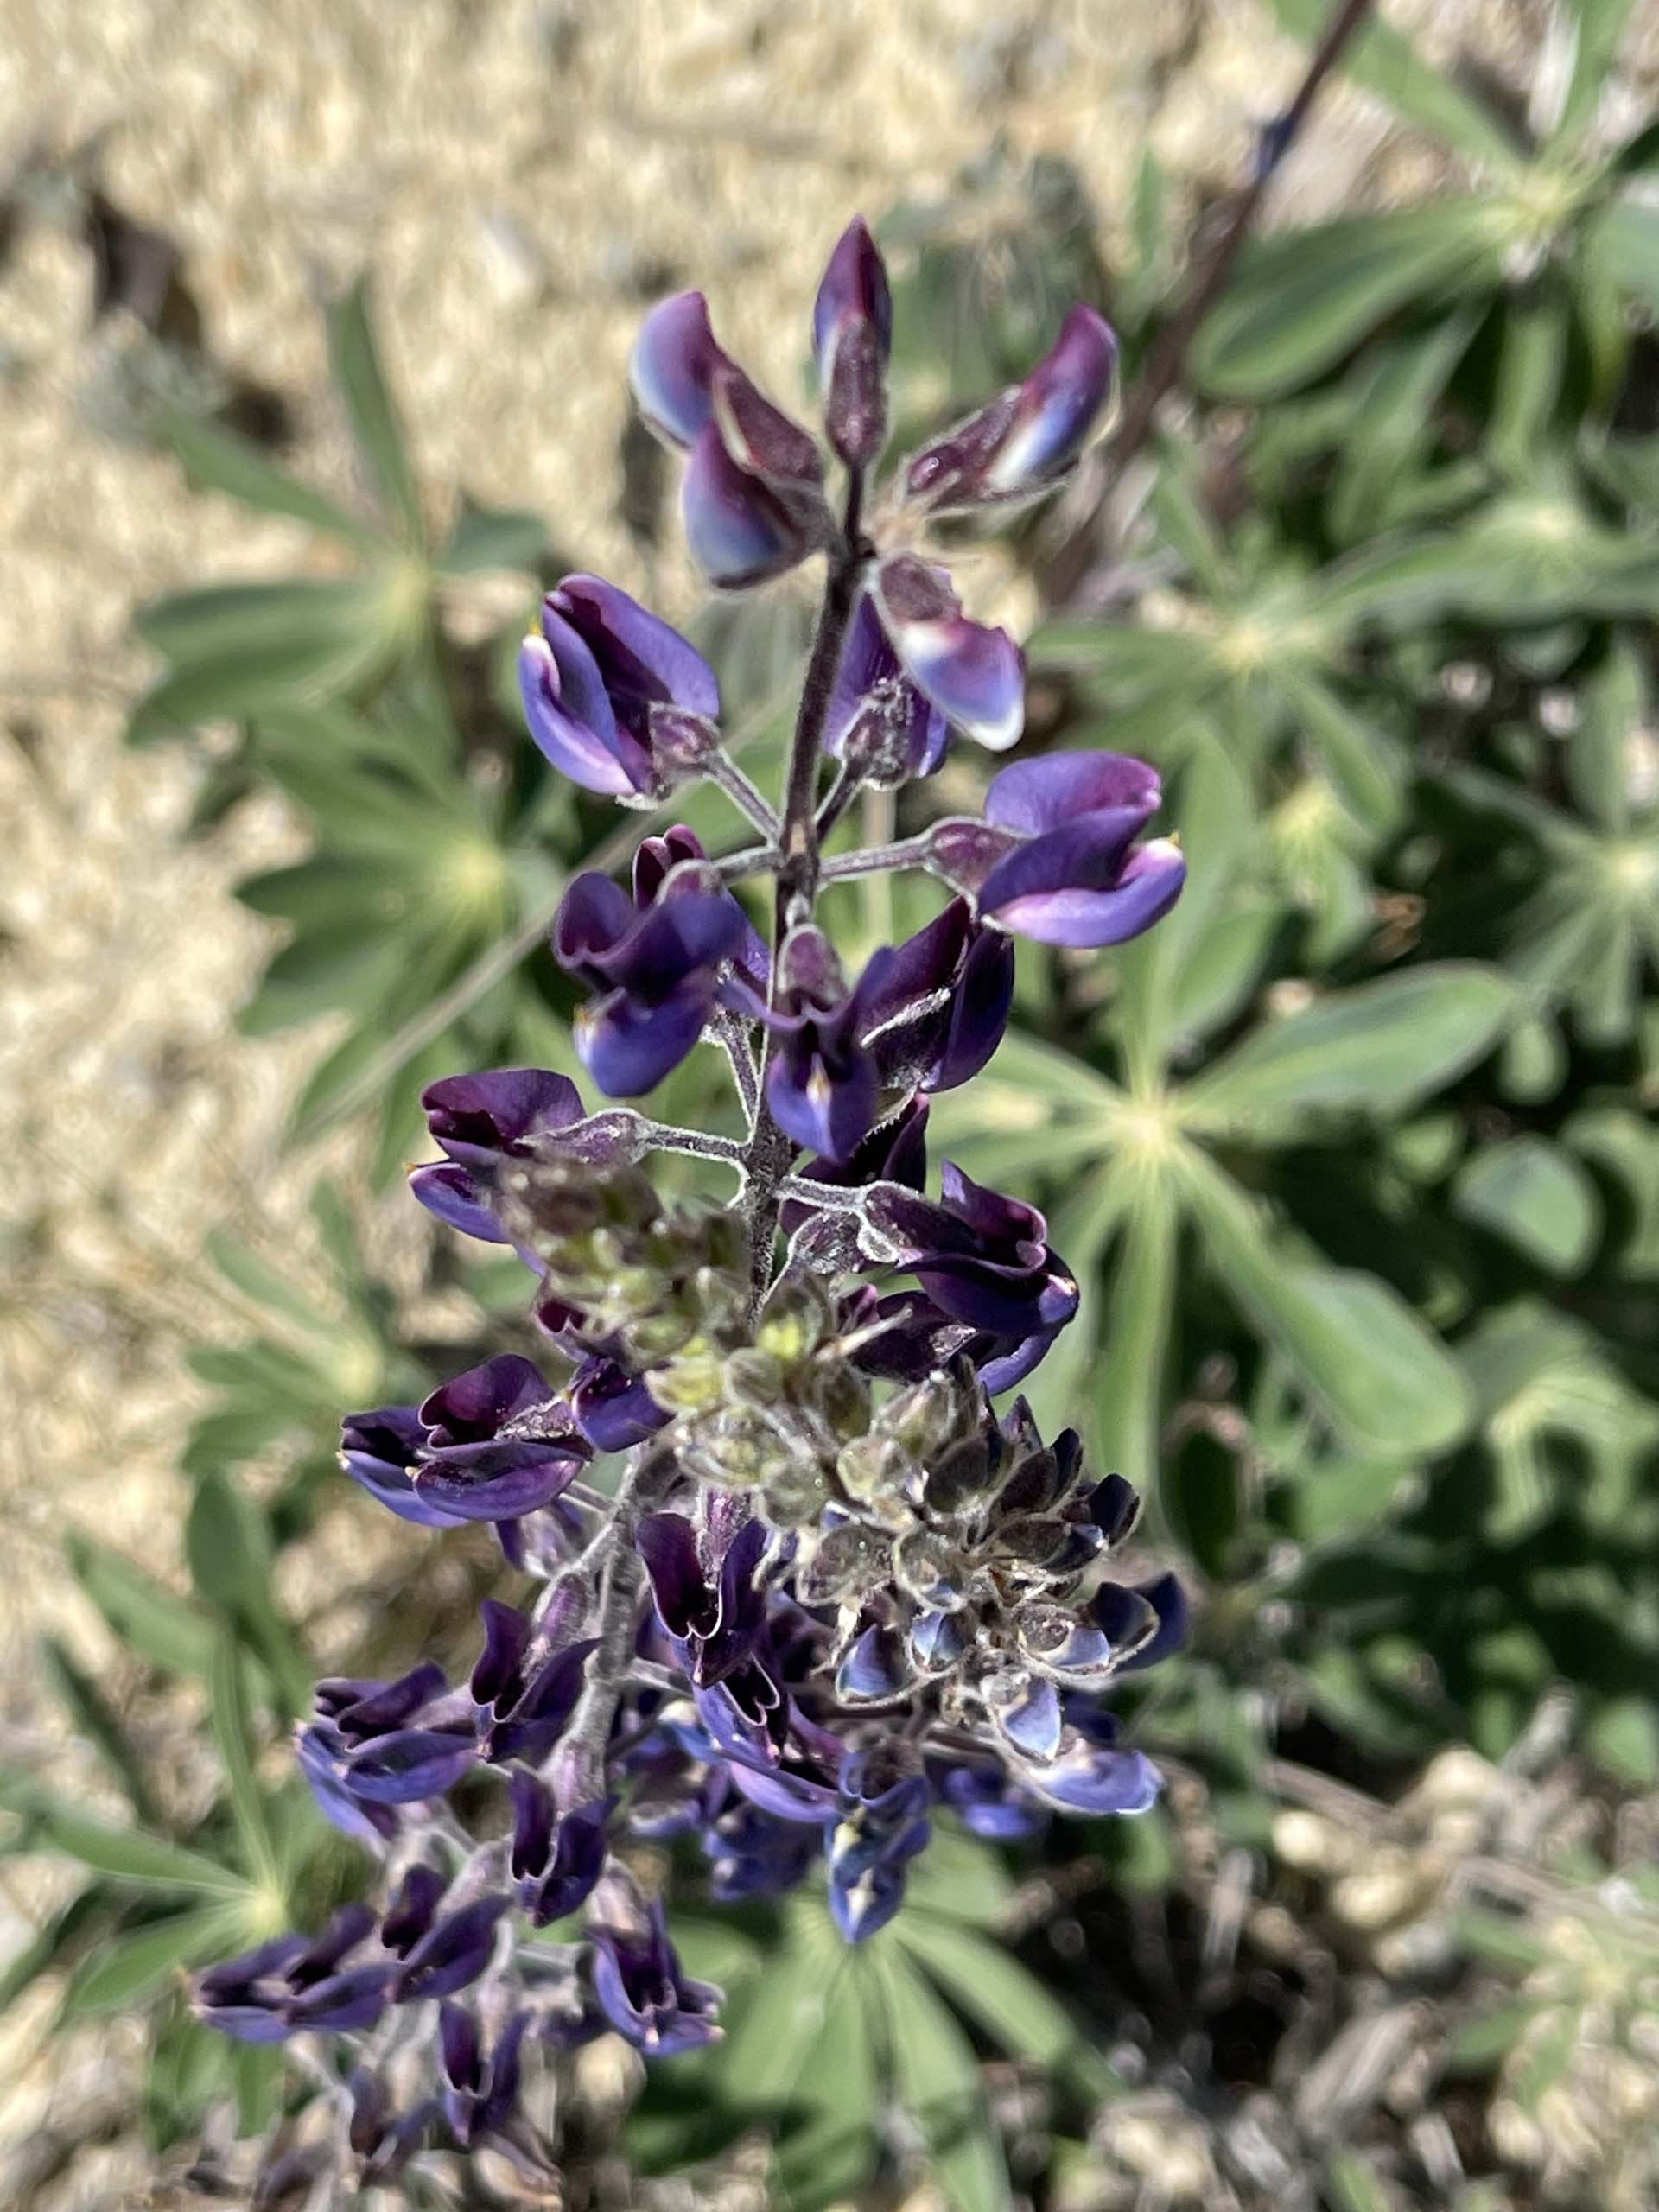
838 1581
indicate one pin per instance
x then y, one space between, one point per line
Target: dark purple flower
524 1687
752 1853
1031 436
1120 1612
379 1450
753 499
1093 1778
614 1410
499 1444
982 1260
935 1010
596 677
975 676
293 1983
877 719
638 1984
454 1951
656 961
822 1086
711 1608
413 1909
374 1745
852 336
480 1120
479 2093
557 1857
1056 858
881 1824
986 1800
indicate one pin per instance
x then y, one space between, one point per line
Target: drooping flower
935 1011
1028 438
480 2092
595 676
498 1443
711 1608
454 1951
1055 858
879 1826
479 1120
975 674
637 1976
557 1857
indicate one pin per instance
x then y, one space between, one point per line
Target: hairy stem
875 860
769 1151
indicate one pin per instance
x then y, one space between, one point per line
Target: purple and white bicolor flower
1026 440
879 1826
1055 857
595 676
753 499
975 674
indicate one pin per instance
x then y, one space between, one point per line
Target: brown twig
1071 561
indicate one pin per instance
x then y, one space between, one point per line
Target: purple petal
1147 886
571 720
614 1410
855 284
453 1952
1059 403
499 1666
1030 1721
416 1763
629 1048
473 1405
737 531
642 660
828 1110
974 675
667 1543
453 1193
675 358
1034 795
1085 1779
475 1118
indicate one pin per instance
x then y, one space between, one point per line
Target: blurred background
331 304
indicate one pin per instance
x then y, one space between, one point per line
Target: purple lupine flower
524 1686
751 501
852 336
479 2092
752 1853
593 678
881 1824
1090 1774
711 1609
498 1443
379 1450
935 1011
270 1993
479 1120
877 719
982 1261
614 1410
379 1745
637 1977
987 1799
1055 858
656 959
454 1951
412 1910
557 1857
822 1085
1028 438
975 674
1116 1606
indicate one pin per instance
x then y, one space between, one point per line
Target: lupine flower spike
838 1587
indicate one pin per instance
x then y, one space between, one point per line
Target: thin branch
745 794
875 860
1071 561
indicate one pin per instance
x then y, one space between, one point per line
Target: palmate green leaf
1364 763
233 1736
95 1718
58 1943
1385 62
1623 244
1007 2002
1535 1195
1302 299
962 1880
265 1285
217 460
123 1972
1389 427
240 686
293 613
1364 1357
126 1856
938 2084
161 1626
1599 29
1376 1049
372 411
